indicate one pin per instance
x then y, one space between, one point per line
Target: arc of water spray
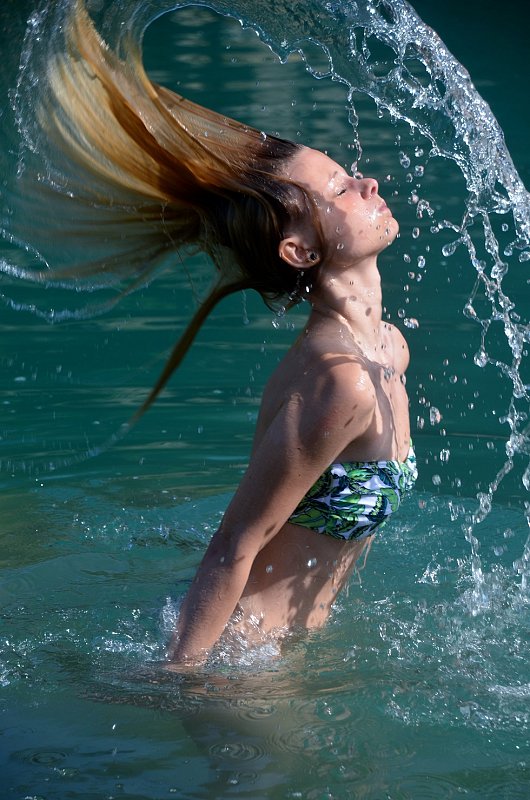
445 108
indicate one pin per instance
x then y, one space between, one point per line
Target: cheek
371 231
367 223
336 229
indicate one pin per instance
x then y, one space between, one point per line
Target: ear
295 252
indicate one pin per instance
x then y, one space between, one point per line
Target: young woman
332 456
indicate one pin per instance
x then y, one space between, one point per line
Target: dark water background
417 688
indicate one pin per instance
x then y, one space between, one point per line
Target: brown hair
171 174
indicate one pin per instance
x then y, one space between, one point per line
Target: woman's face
356 222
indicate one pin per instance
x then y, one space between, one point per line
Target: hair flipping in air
172 175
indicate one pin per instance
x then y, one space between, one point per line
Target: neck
352 298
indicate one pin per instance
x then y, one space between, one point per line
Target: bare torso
298 573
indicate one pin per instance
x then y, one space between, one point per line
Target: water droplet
481 358
444 455
269 568
421 262
415 233
311 563
434 416
404 160
449 249
411 322
436 480
422 207
418 171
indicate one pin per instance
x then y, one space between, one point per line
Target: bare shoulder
340 392
317 406
324 410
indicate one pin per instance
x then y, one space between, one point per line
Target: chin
394 230
390 237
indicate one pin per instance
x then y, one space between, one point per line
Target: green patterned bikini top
352 499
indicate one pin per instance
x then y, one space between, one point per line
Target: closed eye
342 191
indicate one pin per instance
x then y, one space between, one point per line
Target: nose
369 187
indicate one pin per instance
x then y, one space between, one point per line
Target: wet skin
339 394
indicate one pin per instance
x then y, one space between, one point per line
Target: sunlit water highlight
419 685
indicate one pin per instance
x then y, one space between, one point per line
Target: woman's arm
302 440
211 599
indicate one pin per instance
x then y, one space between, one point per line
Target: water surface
419 685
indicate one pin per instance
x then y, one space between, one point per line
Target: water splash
418 81
385 51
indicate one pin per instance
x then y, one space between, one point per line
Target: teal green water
419 685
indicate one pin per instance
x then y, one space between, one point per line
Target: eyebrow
333 176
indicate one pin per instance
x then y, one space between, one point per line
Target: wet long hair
171 175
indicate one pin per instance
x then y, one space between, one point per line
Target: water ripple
238 751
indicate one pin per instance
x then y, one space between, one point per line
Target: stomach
296 578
